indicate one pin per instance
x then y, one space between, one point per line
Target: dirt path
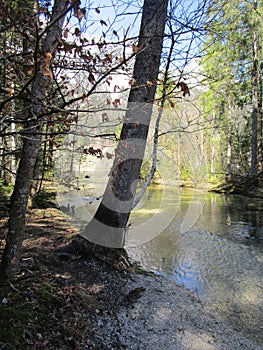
62 301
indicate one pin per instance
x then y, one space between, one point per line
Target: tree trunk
260 127
229 169
260 112
13 156
35 181
31 146
107 228
255 104
213 148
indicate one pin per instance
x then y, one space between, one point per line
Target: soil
61 300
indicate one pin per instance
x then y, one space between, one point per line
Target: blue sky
122 17
119 16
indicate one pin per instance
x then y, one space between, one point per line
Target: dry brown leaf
104 117
135 48
109 57
91 78
171 103
48 58
116 33
45 68
116 103
46 71
65 34
77 32
132 82
80 13
184 88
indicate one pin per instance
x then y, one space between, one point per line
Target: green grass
13 323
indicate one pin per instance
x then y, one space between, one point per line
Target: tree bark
31 146
229 168
35 181
213 147
107 228
255 103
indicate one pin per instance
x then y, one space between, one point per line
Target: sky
119 16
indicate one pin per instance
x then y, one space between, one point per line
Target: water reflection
211 243
220 257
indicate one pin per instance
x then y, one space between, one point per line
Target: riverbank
63 301
245 186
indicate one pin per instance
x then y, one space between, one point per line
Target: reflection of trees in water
246 212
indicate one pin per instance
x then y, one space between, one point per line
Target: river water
210 243
213 246
223 244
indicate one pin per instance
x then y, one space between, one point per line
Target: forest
104 106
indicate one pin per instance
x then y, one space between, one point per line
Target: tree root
115 257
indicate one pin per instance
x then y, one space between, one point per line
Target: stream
210 243
218 255
224 246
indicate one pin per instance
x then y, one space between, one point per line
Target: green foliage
227 64
186 174
215 179
145 170
45 199
5 190
49 173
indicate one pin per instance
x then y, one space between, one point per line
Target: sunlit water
210 243
218 254
223 245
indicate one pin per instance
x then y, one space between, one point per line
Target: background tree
46 46
231 64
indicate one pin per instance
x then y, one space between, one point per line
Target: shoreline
65 301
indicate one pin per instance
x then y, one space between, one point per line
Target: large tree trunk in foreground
107 228
31 146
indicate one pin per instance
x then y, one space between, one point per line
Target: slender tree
256 78
46 47
233 52
108 226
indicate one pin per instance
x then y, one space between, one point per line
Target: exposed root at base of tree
115 257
